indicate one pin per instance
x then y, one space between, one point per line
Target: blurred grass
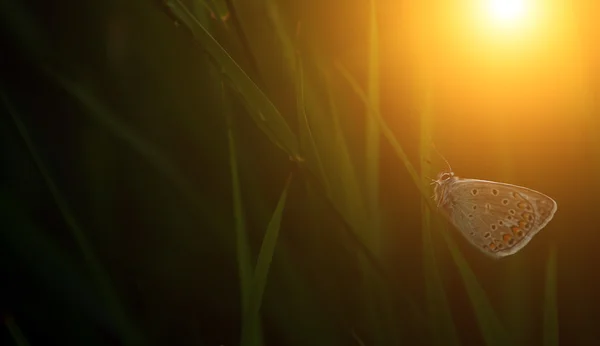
550 326
492 330
98 272
251 330
372 157
15 331
259 280
441 324
307 140
264 113
318 144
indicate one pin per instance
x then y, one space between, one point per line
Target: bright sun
507 12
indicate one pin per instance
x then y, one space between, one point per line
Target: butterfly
497 218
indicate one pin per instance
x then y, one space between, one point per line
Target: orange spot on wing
527 216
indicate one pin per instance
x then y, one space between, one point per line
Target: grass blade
99 274
244 255
263 263
492 330
550 304
263 111
441 325
321 135
307 140
242 243
372 134
387 132
15 331
350 193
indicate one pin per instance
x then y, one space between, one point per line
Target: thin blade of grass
263 111
372 134
441 325
103 116
263 263
492 330
288 45
374 112
242 243
251 330
350 194
15 331
377 309
550 303
343 188
307 141
98 272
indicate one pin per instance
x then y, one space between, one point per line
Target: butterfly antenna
442 156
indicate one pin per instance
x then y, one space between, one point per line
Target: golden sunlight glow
507 11
499 63
507 16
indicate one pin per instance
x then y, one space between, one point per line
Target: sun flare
507 13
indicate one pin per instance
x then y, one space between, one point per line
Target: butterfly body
497 218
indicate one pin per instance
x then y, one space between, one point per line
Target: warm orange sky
537 66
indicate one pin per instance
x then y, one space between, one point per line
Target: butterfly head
441 185
444 176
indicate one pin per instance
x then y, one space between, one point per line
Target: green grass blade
350 194
15 331
387 132
307 140
103 116
262 110
288 45
372 133
332 161
244 257
550 304
251 330
492 330
263 263
441 325
99 274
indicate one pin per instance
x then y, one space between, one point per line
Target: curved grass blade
492 330
263 263
251 330
264 113
550 304
333 162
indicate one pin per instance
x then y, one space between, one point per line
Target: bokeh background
222 172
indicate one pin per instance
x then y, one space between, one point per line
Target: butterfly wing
498 218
